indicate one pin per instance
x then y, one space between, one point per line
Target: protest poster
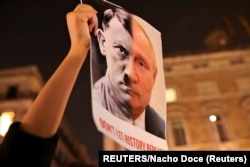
127 80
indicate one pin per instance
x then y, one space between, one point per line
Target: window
245 104
167 68
6 118
178 132
200 65
219 125
237 61
12 92
171 95
208 88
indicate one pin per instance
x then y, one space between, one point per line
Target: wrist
79 49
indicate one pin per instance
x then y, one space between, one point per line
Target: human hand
81 22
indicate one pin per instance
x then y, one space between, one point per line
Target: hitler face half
131 66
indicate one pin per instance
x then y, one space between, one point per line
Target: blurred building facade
208 100
208 103
18 88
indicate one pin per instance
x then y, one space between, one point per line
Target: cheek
111 60
113 57
116 69
146 76
147 81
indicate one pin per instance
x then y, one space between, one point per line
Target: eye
121 51
141 63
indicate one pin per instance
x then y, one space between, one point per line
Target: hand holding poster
128 97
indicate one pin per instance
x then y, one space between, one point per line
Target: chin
136 107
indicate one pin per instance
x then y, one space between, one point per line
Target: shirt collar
140 121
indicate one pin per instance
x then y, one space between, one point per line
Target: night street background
35 32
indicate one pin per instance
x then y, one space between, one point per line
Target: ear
101 41
155 74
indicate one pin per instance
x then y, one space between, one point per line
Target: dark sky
35 32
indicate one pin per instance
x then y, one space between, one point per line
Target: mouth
129 91
132 92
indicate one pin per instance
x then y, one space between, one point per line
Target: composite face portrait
124 74
131 68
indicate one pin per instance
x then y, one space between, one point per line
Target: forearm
45 114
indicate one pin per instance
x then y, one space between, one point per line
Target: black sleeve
25 149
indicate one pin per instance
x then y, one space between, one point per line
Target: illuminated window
219 125
171 95
6 118
178 132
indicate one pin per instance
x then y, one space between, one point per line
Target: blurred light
213 118
6 118
171 95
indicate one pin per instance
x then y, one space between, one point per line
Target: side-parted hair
123 16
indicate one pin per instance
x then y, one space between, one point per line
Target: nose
130 72
126 79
